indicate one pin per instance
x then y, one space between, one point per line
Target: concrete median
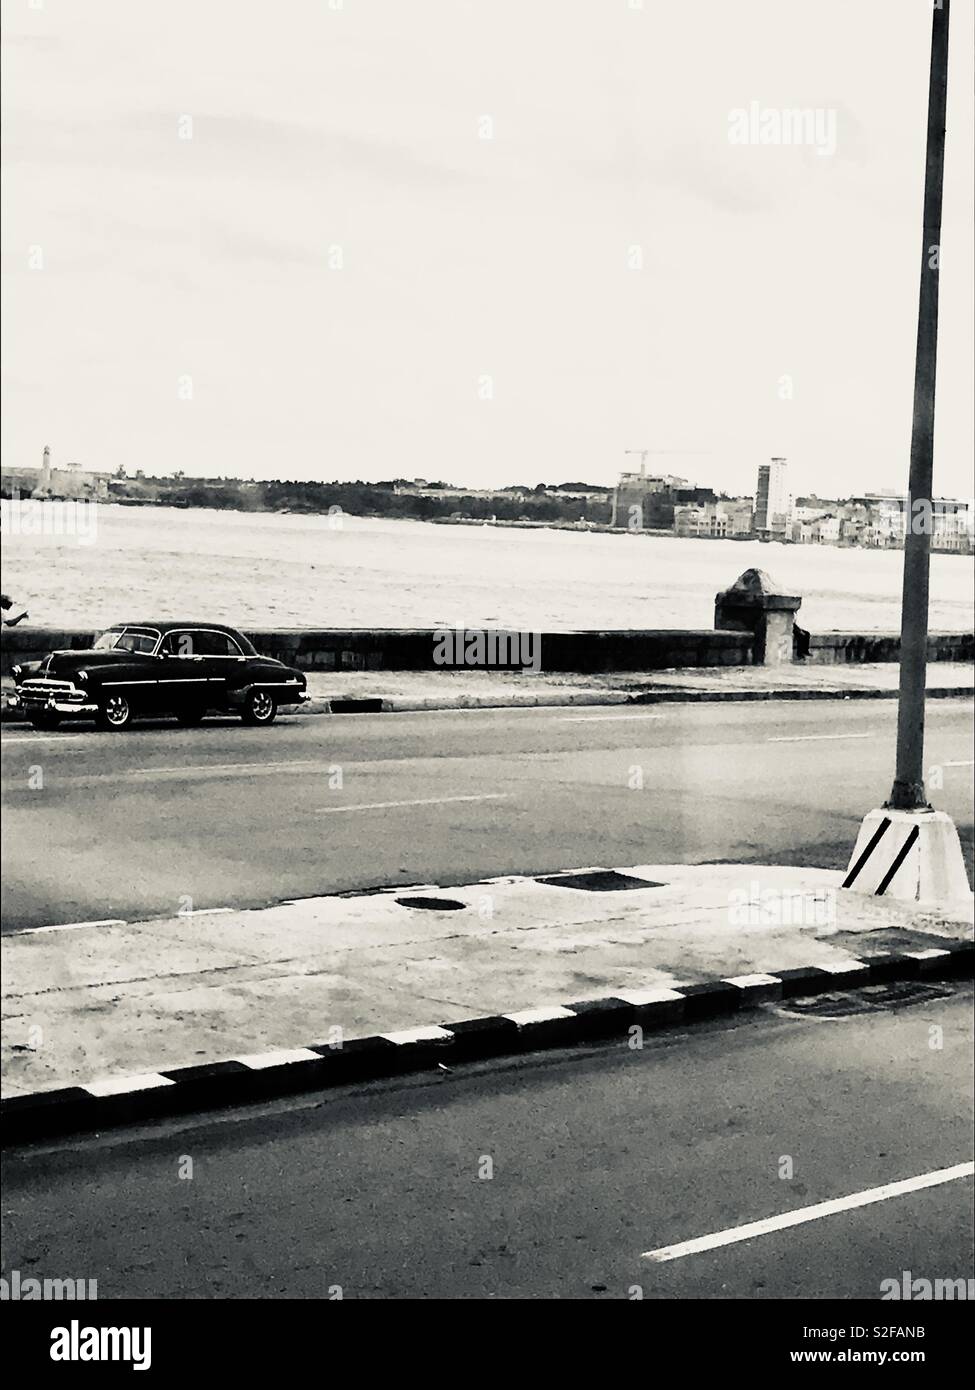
118 1022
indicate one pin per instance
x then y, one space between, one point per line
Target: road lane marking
601 718
801 1215
965 762
422 801
810 738
6 741
74 926
223 767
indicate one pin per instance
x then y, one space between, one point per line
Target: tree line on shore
358 498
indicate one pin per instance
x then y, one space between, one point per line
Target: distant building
773 505
954 525
433 490
645 501
70 483
811 526
580 493
879 520
814 504
732 517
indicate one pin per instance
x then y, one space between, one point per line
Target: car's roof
168 624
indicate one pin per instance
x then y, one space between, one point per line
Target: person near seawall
8 606
800 643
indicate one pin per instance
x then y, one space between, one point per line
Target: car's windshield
127 641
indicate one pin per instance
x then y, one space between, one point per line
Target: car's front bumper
62 702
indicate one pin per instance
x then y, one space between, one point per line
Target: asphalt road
551 1178
160 819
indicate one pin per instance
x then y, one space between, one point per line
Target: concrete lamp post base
910 855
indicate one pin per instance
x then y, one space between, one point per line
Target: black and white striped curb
129 1099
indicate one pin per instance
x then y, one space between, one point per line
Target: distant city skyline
791 485
357 245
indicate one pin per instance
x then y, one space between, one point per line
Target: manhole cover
831 1005
870 999
905 992
432 904
603 881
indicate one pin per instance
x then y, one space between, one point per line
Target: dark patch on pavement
866 944
600 881
869 999
432 904
898 992
831 1006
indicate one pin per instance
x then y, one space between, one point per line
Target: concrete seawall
413 650
403 649
841 648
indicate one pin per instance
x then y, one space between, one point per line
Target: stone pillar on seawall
756 604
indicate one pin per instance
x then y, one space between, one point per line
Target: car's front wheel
114 712
259 708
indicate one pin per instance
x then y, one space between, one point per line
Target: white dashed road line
601 718
803 1214
422 801
73 926
224 767
6 741
815 738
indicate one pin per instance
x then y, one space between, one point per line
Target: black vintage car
181 669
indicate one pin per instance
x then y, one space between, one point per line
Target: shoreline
492 523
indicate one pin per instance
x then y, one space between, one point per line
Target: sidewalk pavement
484 689
113 1006
472 689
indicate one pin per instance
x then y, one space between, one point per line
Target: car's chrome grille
41 691
41 685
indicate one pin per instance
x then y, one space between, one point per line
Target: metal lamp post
908 793
905 849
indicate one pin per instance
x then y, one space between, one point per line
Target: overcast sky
337 275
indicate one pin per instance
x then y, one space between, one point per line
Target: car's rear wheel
259 708
114 712
45 719
189 717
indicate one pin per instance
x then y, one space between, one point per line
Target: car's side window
132 640
180 644
199 642
217 644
